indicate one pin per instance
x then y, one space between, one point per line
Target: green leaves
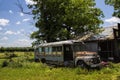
65 19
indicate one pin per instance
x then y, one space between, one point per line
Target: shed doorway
106 49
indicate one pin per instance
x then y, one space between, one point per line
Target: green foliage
12 55
8 55
116 5
5 63
20 68
64 19
12 49
14 64
15 61
11 63
79 71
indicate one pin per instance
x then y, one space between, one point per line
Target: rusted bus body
67 53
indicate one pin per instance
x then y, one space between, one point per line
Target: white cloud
10 32
18 22
10 11
31 2
113 20
0 28
23 40
4 38
21 30
4 22
27 19
3 44
21 14
18 32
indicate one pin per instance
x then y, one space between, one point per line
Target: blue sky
15 27
109 20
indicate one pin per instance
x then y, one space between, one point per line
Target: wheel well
80 61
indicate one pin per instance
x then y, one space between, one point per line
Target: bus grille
95 60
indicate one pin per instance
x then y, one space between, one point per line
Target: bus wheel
81 64
43 60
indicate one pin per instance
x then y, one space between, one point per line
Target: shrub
11 63
4 64
12 55
6 54
14 64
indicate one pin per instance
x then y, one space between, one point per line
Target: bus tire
43 60
81 64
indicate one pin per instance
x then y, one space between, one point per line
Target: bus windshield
81 47
78 48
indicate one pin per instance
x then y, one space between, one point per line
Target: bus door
68 53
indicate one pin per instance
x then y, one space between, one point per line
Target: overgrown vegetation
12 49
23 67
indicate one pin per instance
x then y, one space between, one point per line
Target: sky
16 27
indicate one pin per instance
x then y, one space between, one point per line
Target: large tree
116 5
64 19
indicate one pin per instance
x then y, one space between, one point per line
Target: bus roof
59 43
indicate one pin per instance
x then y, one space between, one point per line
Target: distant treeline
12 49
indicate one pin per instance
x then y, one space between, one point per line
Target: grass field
22 67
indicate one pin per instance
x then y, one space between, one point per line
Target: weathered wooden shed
106 43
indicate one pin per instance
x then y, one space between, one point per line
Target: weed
21 68
81 71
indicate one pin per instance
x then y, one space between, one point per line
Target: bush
10 55
6 54
4 64
11 63
14 64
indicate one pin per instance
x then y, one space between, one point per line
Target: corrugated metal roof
107 33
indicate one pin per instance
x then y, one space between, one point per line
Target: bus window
50 50
59 50
78 48
40 50
54 49
43 50
46 50
67 49
37 50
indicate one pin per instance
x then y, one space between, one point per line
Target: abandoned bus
67 53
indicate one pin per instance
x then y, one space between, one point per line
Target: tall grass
23 68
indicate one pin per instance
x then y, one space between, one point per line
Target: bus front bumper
95 65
